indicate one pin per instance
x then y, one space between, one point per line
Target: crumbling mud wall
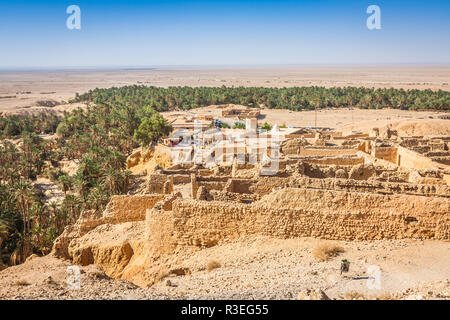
130 208
413 160
386 153
299 212
138 236
368 158
342 161
265 185
389 188
320 152
207 184
238 185
233 196
160 183
358 182
292 146
148 160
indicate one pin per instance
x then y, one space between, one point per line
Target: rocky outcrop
116 239
148 160
110 246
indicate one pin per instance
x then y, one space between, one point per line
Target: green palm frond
4 226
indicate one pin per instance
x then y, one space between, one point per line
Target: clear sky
152 33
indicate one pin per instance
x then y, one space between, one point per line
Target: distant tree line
296 98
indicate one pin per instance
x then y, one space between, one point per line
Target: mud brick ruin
329 186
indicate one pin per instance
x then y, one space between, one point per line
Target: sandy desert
21 90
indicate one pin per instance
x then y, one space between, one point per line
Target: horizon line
170 66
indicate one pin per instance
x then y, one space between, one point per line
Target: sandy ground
19 91
270 268
256 268
347 120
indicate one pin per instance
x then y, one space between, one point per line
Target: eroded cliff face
114 239
142 238
147 160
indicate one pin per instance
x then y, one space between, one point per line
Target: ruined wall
413 160
292 146
212 185
235 197
371 186
130 208
187 171
298 213
447 178
181 178
194 186
425 177
368 158
351 136
442 160
208 183
309 152
265 185
386 153
138 250
238 186
343 161
159 183
362 172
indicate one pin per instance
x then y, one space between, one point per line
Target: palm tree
4 226
72 205
66 183
24 198
111 180
40 225
97 199
82 185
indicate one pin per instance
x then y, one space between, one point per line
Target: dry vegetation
326 251
386 296
22 283
213 265
353 295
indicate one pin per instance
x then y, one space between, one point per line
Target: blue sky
152 33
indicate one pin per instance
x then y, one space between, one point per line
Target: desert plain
22 89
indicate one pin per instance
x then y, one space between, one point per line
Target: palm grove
117 120
98 139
